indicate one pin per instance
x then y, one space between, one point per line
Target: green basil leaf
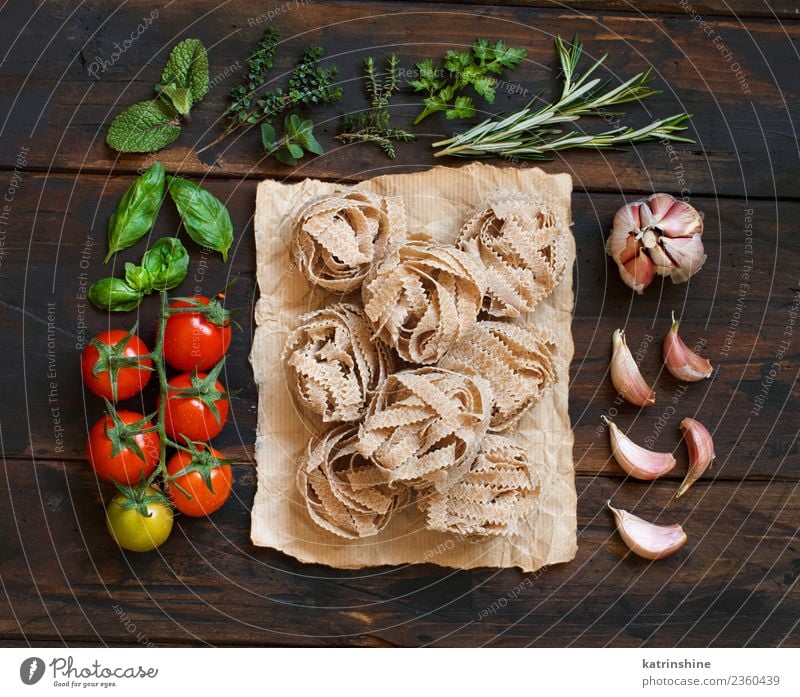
143 127
114 294
187 67
136 211
165 263
138 278
205 218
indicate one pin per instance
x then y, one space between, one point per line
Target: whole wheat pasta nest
333 363
523 249
325 481
338 238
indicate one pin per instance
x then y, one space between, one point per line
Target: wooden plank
784 10
733 584
55 218
745 133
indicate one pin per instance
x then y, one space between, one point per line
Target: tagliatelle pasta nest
338 238
325 481
517 361
491 498
423 297
523 248
424 427
334 364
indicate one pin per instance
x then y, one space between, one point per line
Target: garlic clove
638 272
625 374
680 360
675 218
635 460
688 256
701 452
648 540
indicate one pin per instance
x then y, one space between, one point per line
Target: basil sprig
204 216
137 210
163 267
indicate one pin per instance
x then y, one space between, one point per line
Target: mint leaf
143 127
178 98
187 67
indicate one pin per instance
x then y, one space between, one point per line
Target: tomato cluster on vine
130 449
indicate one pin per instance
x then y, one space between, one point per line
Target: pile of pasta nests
421 381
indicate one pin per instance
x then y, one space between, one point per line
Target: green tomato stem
158 360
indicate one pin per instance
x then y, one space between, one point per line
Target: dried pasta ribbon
523 246
338 238
423 297
334 364
424 427
516 360
491 499
325 481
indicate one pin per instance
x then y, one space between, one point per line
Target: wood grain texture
56 217
731 585
64 583
62 84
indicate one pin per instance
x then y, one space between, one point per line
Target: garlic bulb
637 461
625 374
657 235
680 360
648 540
701 452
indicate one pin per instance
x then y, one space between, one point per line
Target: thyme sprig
309 84
530 133
373 126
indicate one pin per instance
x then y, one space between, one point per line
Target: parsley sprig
373 126
535 134
475 68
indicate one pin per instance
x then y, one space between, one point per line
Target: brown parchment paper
437 201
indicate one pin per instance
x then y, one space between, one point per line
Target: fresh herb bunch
533 133
309 84
475 68
154 124
373 126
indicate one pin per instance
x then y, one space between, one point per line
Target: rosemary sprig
530 134
373 126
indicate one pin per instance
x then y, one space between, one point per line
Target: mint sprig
154 124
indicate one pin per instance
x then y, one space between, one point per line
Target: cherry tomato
112 356
203 500
194 340
134 531
126 467
188 416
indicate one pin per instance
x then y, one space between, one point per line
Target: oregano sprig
373 126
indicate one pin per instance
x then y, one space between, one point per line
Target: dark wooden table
734 65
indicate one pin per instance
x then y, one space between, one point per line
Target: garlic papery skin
657 235
648 540
625 374
701 452
636 461
680 360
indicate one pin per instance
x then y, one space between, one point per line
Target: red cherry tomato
126 467
194 340
188 416
203 501
130 378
